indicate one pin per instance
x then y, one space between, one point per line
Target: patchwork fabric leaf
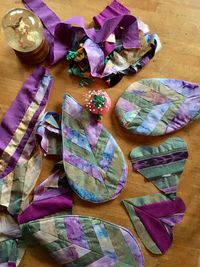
93 162
52 196
154 217
80 241
162 165
158 106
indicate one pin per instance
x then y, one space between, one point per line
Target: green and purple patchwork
80 241
93 162
154 217
158 106
162 165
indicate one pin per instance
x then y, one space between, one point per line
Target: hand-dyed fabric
121 45
154 217
52 196
85 241
11 252
48 133
162 165
17 127
11 247
158 106
20 160
94 164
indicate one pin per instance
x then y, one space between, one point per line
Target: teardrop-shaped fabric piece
162 165
154 217
77 241
158 106
93 162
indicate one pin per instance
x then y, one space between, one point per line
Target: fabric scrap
52 196
154 218
162 165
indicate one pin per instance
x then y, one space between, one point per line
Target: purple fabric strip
165 208
114 9
45 207
47 16
156 230
161 160
172 221
14 115
11 264
93 132
150 216
169 190
75 233
19 150
41 189
83 165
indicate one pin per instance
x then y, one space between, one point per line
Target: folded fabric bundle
85 241
158 106
154 217
119 46
162 165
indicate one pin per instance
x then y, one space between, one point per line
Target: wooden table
178 25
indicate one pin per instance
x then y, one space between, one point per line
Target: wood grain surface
178 25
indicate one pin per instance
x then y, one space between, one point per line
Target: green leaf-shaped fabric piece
93 162
162 165
80 241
